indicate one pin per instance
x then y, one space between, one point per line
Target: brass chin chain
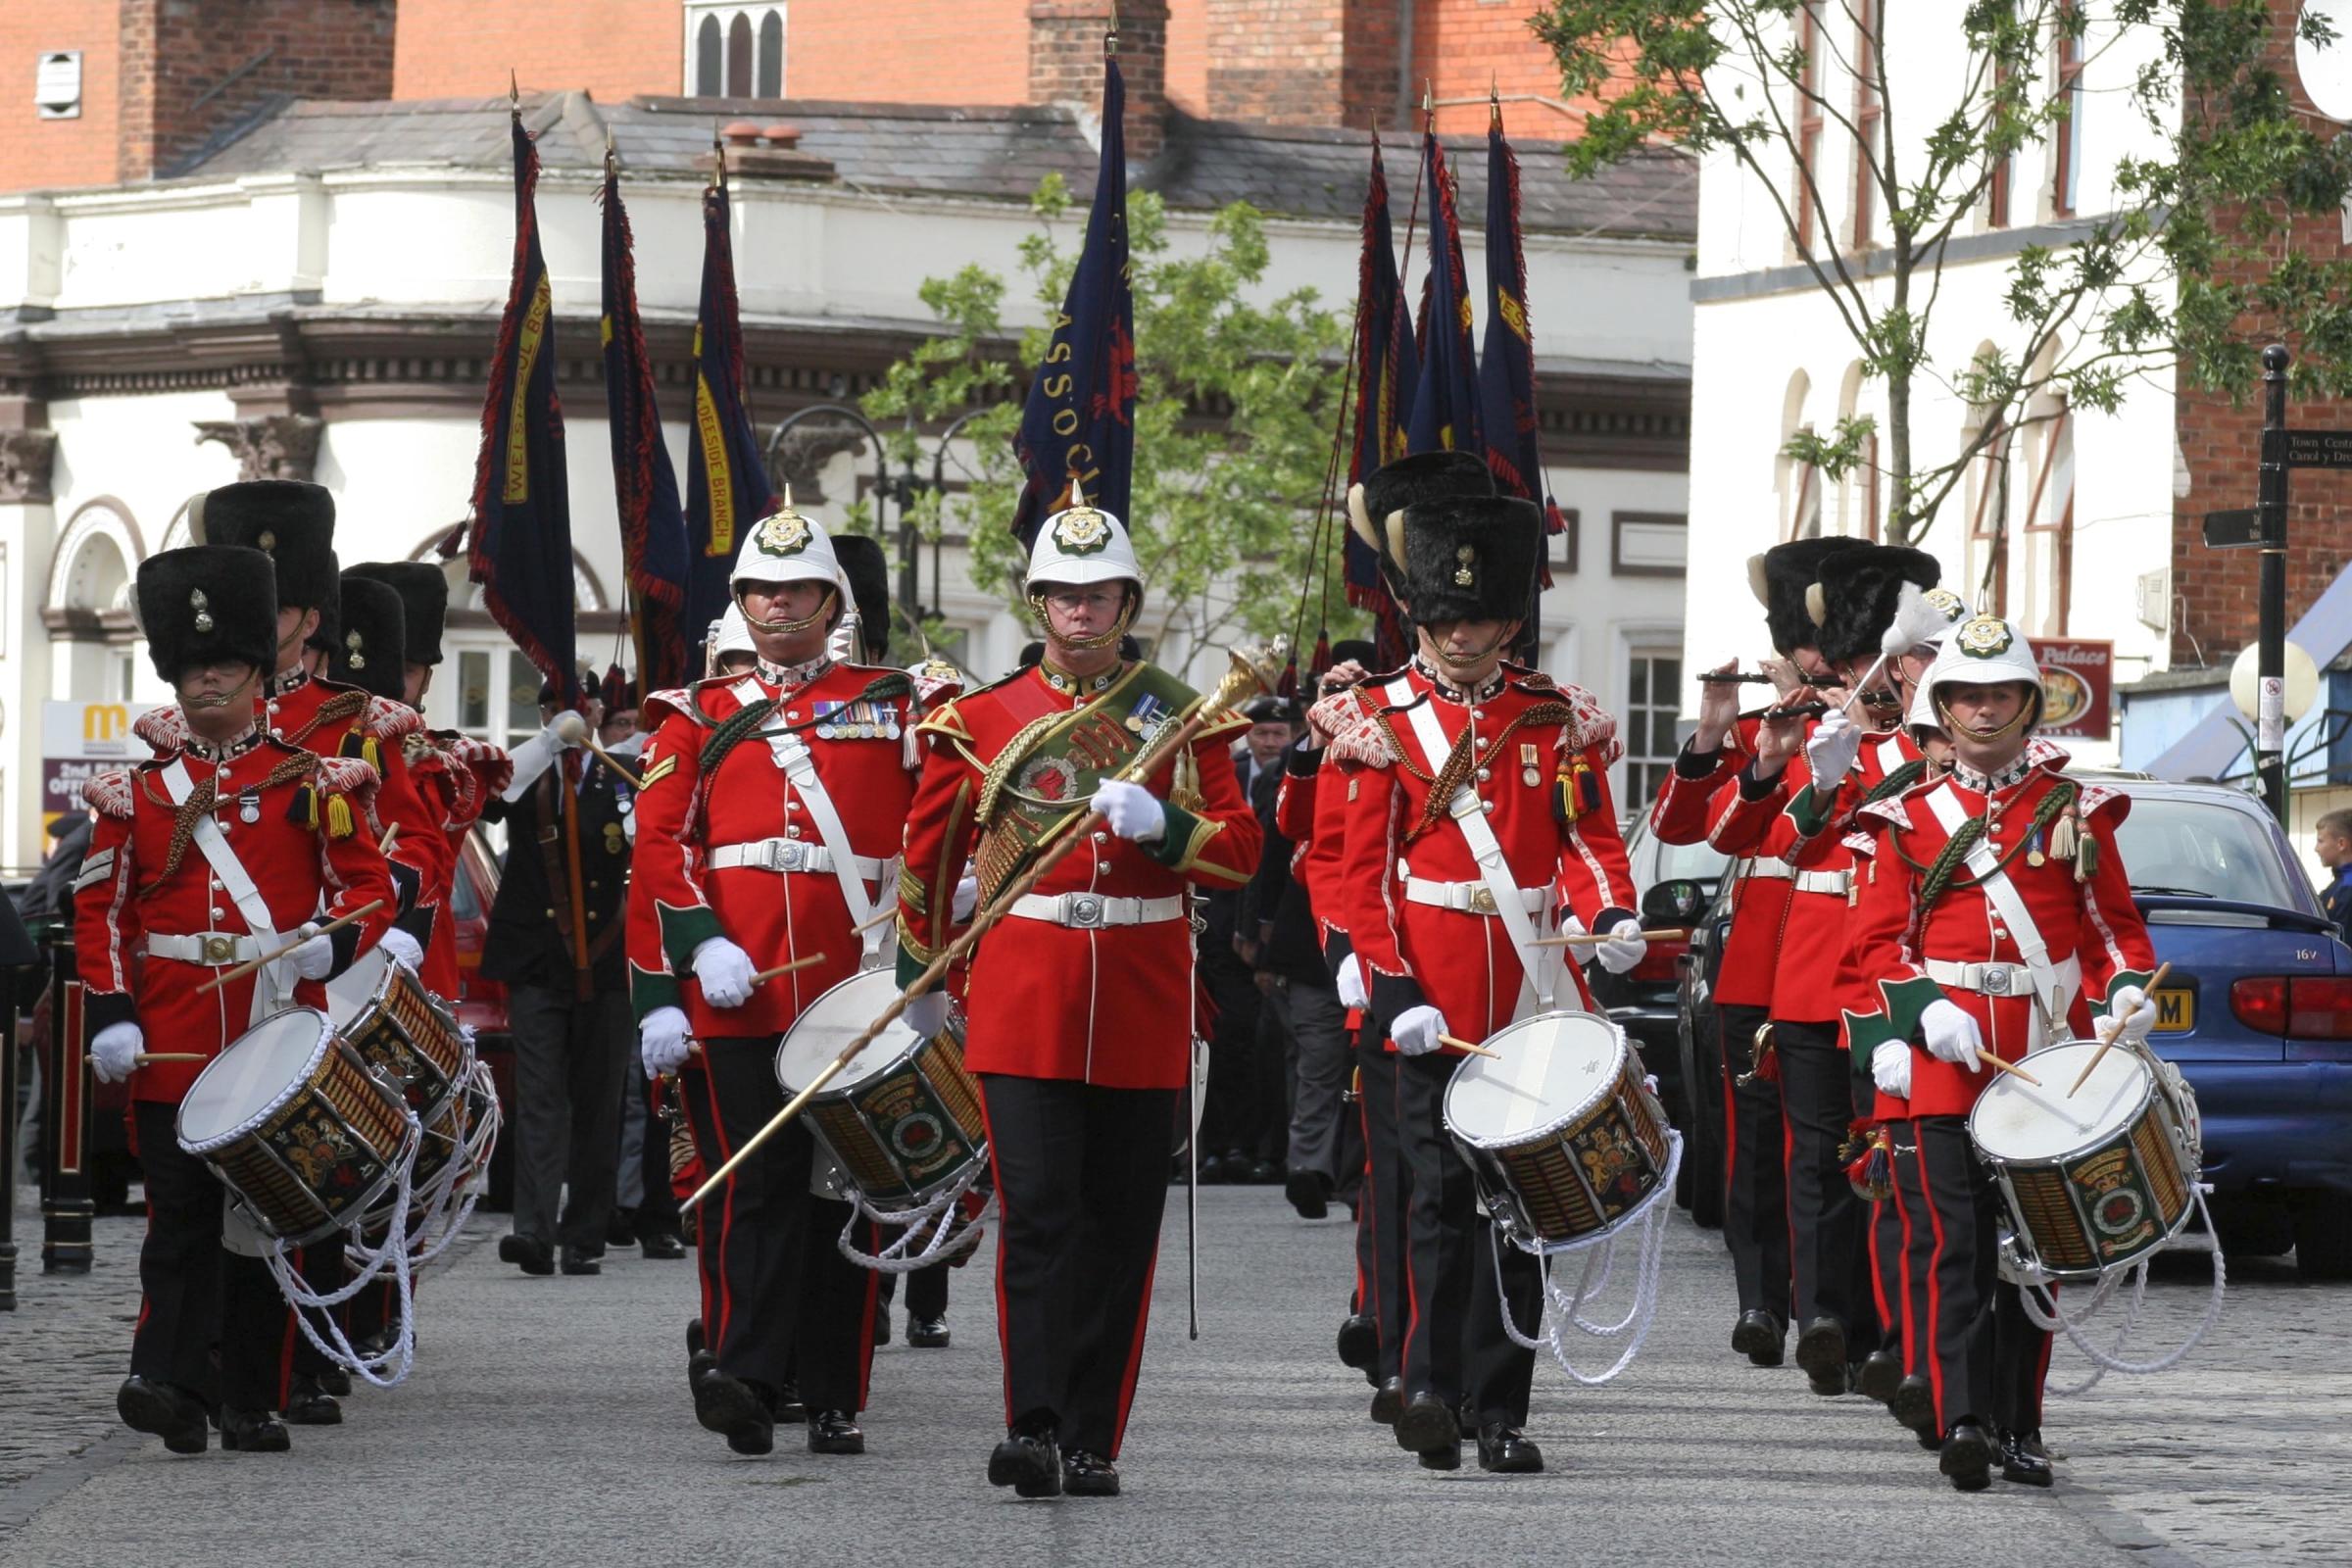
1986 737
788 627
1128 605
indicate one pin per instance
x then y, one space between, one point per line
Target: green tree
1234 414
2192 267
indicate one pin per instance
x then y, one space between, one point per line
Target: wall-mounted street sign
2238 528
2308 449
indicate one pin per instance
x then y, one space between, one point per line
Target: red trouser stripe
715 1333
1135 1356
1934 1292
1902 1214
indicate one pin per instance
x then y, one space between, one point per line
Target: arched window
708 59
738 57
772 55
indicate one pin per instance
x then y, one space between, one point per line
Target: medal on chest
249 807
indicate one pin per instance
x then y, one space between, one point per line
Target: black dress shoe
309 1405
1449 1458
784 1403
169 1412
1029 1463
335 1381
253 1432
834 1432
1758 1336
734 1409
370 1347
2024 1460
927 1332
1211 1171
1880 1374
1087 1474
1506 1451
1264 1173
1914 1405
660 1243
699 1359
1359 1342
620 1228
1967 1461
1310 1193
1821 1353
531 1255
1427 1424
1389 1402
579 1260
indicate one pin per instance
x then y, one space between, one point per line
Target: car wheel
2324 1239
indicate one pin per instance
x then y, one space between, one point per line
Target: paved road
548 1423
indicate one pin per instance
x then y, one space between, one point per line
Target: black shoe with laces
527 1252
1758 1336
927 1332
1087 1474
834 1432
1029 1463
165 1409
620 1228
1821 1353
309 1405
1967 1458
1506 1450
1310 1193
736 1410
253 1432
2024 1462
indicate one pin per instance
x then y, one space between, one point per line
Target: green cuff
649 991
1905 1001
685 929
1810 813
1175 841
910 969
2116 982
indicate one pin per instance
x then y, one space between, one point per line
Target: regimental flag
1445 415
521 524
1079 421
1507 365
1386 370
726 479
653 522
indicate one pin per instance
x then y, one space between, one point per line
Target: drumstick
251 964
1579 939
2108 1040
765 975
885 917
573 727
149 1057
2009 1067
385 845
1464 1044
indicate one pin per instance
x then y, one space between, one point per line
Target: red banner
2077 688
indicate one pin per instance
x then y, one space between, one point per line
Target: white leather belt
787 855
1470 898
1999 979
1770 866
219 948
1836 882
1090 911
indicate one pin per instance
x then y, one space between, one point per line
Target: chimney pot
783 134
740 133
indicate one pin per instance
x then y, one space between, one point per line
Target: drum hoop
836 1090
2022 1233
2148 1095
327 1037
1568 1121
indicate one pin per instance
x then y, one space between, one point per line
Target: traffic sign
2239 528
2308 449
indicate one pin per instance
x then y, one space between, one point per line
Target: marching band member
1474 798
203 859
1079 1004
1993 904
771 808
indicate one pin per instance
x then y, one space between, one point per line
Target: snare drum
903 1119
384 1011
305 1134
2096 1180
460 1129
1565 1139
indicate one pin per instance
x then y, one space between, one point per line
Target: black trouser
1380 1240
1829 1249
926 1292
568 1058
1082 1181
657 1209
1755 1182
1454 1343
774 1279
1230 1121
1882 1223
194 1295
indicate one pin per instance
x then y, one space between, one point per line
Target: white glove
927 1014
316 957
726 971
2134 1012
661 1041
1953 1034
1837 741
1890 1069
1416 1030
114 1051
1132 810
1351 985
1625 946
398 944
966 900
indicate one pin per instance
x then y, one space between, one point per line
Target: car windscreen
2187 845
1697 861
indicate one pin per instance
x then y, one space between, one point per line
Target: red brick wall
39 153
1461 47
190 68
1304 62
2213 604
614 49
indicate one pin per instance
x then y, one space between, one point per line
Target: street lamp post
894 494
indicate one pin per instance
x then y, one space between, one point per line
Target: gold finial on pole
611 155
718 158
1111 37
514 93
1429 105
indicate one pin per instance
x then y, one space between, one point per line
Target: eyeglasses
1071 600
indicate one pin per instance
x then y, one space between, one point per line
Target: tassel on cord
1288 686
1319 660
339 824
1869 1157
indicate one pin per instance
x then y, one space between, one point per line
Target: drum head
2014 1121
348 993
247 1079
830 1022
1545 1071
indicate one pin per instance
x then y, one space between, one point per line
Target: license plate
2175 1009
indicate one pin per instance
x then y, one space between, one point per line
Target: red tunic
678 900
1110 1006
1696 804
1540 757
456 777
299 850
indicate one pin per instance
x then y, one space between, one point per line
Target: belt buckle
219 948
1482 901
1083 911
789 855
1996 979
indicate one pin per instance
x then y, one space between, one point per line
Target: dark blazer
2337 900
526 944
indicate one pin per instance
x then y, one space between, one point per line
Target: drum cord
401 1355
1647 1223
2044 1309
459 1185
946 1241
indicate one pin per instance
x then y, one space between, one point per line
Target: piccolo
1796 711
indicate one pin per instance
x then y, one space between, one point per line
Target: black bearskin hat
868 571
208 604
329 614
371 648
424 600
1471 558
1780 576
1855 594
289 521
1412 481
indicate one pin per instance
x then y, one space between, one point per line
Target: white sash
1541 972
241 891
2050 988
793 755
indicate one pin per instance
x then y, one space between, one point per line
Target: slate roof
988 153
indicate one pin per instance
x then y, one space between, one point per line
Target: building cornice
1796 278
